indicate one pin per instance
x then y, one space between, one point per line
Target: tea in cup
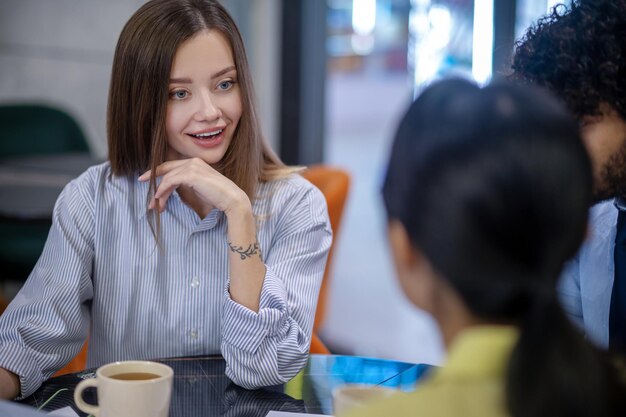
129 389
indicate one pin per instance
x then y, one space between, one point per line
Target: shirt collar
479 351
620 203
141 196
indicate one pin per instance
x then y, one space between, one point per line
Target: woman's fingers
163 169
170 181
211 187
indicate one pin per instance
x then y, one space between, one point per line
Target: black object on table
201 387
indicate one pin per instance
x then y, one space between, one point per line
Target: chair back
334 183
34 129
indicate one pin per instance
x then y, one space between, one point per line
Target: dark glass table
201 387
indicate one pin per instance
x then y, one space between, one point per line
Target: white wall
260 24
60 52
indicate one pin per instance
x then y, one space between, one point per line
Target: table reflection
201 387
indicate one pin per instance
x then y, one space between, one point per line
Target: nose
207 109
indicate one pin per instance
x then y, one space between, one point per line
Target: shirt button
195 282
193 333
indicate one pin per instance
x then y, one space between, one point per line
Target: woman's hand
209 187
9 385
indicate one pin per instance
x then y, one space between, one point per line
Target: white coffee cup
349 396
129 389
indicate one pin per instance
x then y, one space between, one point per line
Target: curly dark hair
579 53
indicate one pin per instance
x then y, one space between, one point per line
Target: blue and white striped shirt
102 275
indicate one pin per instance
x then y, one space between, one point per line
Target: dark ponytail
553 371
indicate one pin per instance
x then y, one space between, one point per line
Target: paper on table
285 414
63 412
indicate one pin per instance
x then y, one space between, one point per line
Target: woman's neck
452 315
452 326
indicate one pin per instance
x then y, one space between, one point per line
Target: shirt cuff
244 329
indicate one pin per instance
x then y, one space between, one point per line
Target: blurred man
580 55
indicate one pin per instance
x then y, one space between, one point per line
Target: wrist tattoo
252 249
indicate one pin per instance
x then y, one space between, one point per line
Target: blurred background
332 78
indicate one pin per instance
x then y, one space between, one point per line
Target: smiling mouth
209 135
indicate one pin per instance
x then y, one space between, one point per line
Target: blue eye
179 94
225 85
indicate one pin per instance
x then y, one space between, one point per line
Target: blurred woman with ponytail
487 193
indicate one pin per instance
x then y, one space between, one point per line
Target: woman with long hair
193 239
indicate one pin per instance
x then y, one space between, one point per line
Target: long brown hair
138 93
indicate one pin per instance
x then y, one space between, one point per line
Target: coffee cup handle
78 396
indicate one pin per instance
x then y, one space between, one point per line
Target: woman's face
204 105
413 270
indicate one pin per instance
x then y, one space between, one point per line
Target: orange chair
77 364
4 303
334 183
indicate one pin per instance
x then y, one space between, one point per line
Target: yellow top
471 382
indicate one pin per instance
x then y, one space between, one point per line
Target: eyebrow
216 75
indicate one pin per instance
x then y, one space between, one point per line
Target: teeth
208 135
